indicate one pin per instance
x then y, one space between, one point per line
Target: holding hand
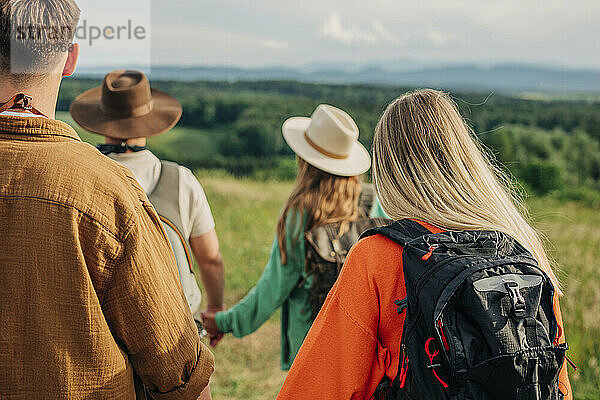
210 324
214 340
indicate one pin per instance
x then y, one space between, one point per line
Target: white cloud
274 44
240 32
386 36
333 28
377 34
440 38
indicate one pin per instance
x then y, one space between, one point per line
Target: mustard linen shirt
89 289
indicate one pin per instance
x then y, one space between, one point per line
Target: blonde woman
327 189
431 174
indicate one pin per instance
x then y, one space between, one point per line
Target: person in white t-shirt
126 111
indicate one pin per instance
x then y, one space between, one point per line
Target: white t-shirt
195 211
21 114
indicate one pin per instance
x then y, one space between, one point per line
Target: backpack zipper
450 356
432 270
440 330
428 254
403 367
405 359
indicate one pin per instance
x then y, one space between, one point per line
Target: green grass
573 231
246 214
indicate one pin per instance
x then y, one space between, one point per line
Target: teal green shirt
279 286
377 211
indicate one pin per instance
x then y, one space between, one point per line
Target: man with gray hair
90 299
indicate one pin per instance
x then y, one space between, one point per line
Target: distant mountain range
509 78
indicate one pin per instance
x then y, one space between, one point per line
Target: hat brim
357 163
86 111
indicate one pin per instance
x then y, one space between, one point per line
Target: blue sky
297 33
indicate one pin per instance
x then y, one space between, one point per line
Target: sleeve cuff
201 230
197 380
223 321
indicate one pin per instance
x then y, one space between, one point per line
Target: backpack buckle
518 301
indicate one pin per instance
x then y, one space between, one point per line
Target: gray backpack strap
366 200
165 196
165 199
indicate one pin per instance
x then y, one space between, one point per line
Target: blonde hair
325 198
428 165
34 35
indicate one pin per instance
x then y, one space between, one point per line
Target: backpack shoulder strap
332 246
165 196
186 251
168 179
366 200
401 232
165 199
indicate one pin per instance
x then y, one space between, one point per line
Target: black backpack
479 319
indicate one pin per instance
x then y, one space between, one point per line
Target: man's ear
72 57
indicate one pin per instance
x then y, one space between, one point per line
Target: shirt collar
21 114
144 165
141 157
35 129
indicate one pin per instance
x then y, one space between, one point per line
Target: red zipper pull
431 364
431 249
404 367
558 334
444 341
403 372
555 343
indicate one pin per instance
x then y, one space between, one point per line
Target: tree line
549 145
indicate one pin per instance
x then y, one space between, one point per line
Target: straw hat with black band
328 140
126 107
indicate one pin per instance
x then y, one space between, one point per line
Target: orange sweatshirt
355 341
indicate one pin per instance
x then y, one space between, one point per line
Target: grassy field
246 213
573 232
179 144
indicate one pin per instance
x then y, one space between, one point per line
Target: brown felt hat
126 107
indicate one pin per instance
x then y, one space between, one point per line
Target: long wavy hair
428 165
324 198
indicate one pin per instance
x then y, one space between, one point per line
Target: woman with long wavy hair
428 167
327 190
